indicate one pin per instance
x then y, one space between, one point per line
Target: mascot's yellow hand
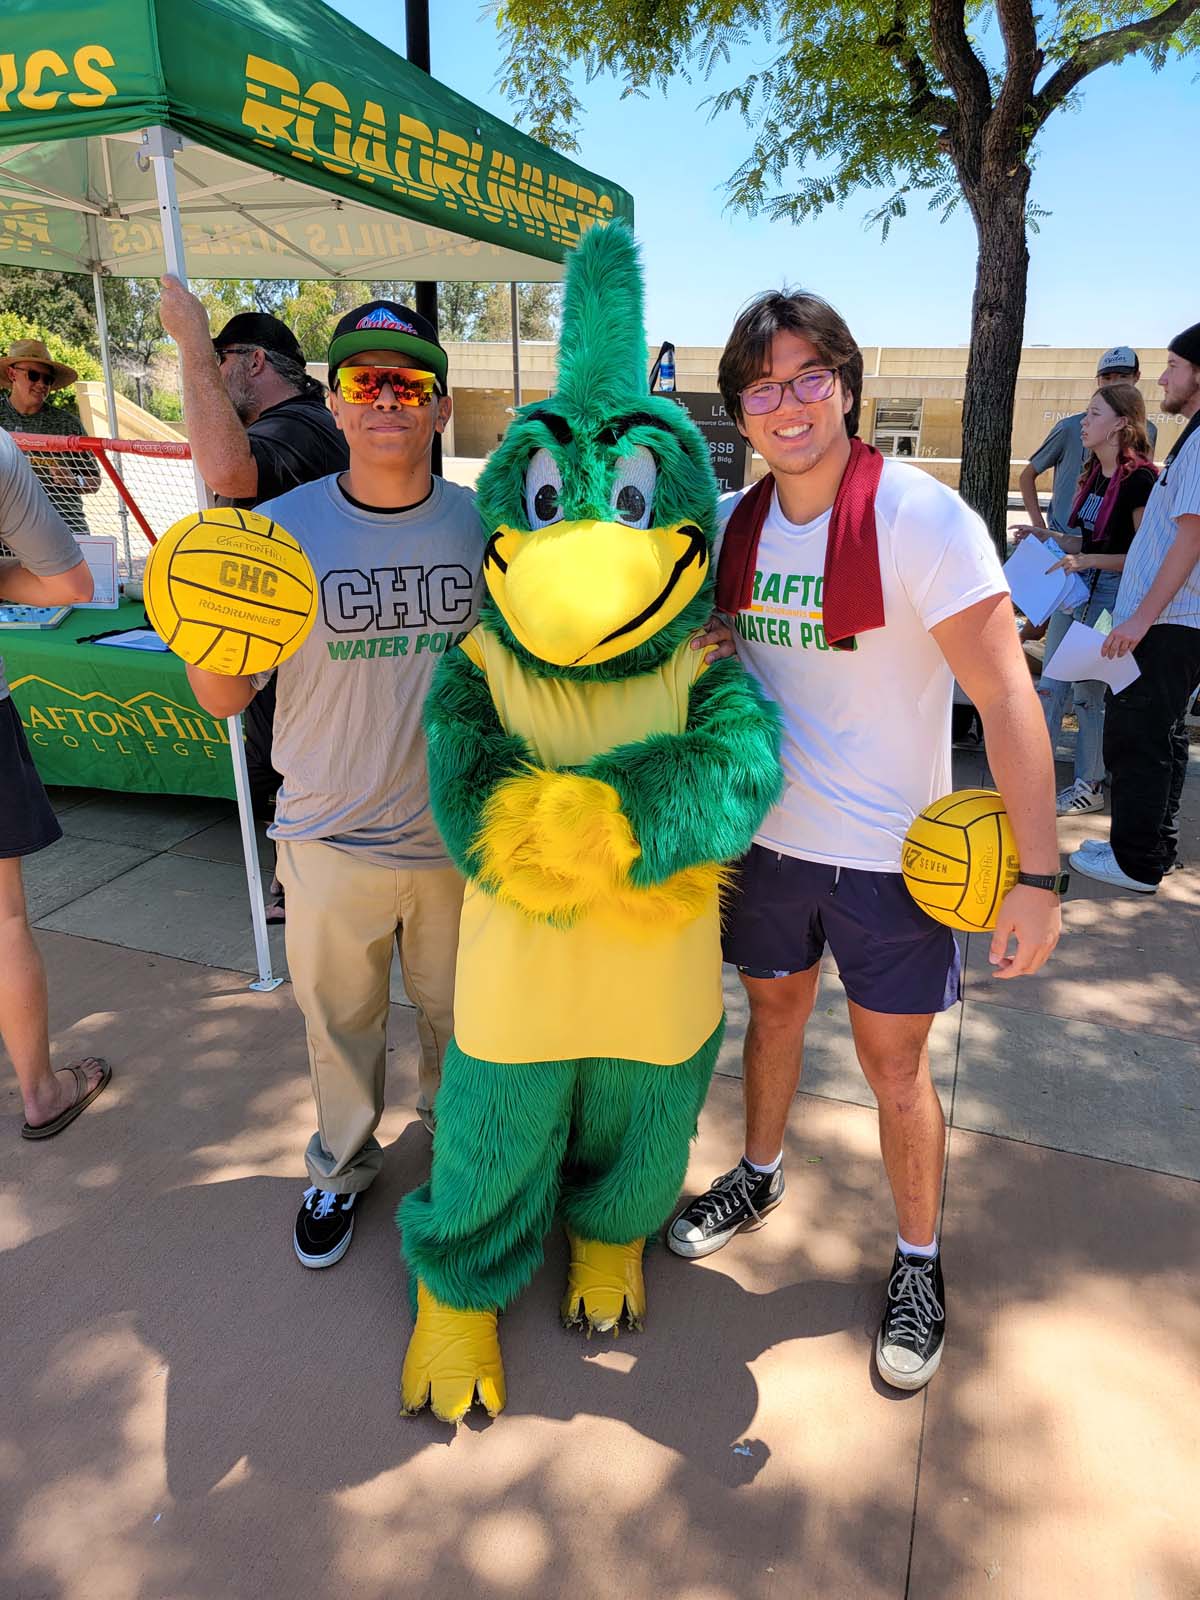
650 911
583 831
552 842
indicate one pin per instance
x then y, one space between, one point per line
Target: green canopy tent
262 139
303 148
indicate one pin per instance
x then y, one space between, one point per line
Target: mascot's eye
543 490
633 488
631 503
545 503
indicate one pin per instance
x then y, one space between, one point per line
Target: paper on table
1037 592
134 639
100 553
1078 658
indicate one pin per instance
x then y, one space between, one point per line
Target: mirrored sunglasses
807 387
362 386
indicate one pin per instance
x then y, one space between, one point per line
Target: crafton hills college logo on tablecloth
146 741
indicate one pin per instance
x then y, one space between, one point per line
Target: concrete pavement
188 1415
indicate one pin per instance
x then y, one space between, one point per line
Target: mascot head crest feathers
601 500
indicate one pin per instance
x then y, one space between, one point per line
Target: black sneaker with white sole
324 1227
737 1202
908 1349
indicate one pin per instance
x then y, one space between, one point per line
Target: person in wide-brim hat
35 350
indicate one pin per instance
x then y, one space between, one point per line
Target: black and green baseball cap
383 325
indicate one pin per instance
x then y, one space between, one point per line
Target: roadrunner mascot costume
589 775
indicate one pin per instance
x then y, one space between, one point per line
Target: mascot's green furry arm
666 783
590 775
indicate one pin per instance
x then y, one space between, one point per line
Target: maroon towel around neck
852 591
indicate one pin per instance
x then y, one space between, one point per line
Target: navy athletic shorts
27 822
781 913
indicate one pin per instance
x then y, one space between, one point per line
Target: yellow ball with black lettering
960 859
230 591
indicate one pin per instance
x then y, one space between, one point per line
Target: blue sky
1115 262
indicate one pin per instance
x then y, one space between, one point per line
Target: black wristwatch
1055 882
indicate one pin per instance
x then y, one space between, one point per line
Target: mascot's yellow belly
527 991
637 973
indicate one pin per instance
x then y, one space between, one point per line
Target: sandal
83 1098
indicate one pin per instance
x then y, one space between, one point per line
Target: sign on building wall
726 447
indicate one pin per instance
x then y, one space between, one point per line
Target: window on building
897 427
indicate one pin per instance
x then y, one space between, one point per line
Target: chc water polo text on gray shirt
396 591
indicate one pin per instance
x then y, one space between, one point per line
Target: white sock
771 1166
925 1250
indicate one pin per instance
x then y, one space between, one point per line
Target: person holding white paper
1117 477
1157 617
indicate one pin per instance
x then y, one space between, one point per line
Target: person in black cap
397 555
258 426
257 422
1157 618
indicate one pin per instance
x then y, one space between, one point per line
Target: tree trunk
997 328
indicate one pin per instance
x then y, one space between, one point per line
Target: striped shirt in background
1176 494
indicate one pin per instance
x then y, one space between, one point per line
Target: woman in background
1118 474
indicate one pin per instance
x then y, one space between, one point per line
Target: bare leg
772 1054
893 1052
24 1024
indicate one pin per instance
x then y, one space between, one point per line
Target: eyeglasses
807 387
233 350
35 374
362 386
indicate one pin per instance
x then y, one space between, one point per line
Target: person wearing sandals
46 569
1118 475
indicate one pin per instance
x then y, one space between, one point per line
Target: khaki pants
343 915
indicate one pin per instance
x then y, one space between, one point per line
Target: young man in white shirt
1157 616
843 534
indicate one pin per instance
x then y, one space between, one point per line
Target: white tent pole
515 318
110 396
161 144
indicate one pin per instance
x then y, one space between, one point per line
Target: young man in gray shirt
397 555
46 569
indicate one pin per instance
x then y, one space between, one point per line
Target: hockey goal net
130 490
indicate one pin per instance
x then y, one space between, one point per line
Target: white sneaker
1080 797
1102 865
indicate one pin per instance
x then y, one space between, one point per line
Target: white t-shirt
866 732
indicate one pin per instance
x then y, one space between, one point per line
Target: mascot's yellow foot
603 1280
452 1357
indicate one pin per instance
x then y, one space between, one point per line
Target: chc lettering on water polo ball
230 591
960 859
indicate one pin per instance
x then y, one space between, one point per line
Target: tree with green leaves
941 99
58 300
539 311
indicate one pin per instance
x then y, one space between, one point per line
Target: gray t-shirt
1062 449
397 590
30 526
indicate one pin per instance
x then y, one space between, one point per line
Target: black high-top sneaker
908 1350
737 1202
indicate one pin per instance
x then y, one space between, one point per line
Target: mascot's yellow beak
580 592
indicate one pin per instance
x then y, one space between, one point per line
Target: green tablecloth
105 718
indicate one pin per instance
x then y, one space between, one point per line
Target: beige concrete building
912 397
